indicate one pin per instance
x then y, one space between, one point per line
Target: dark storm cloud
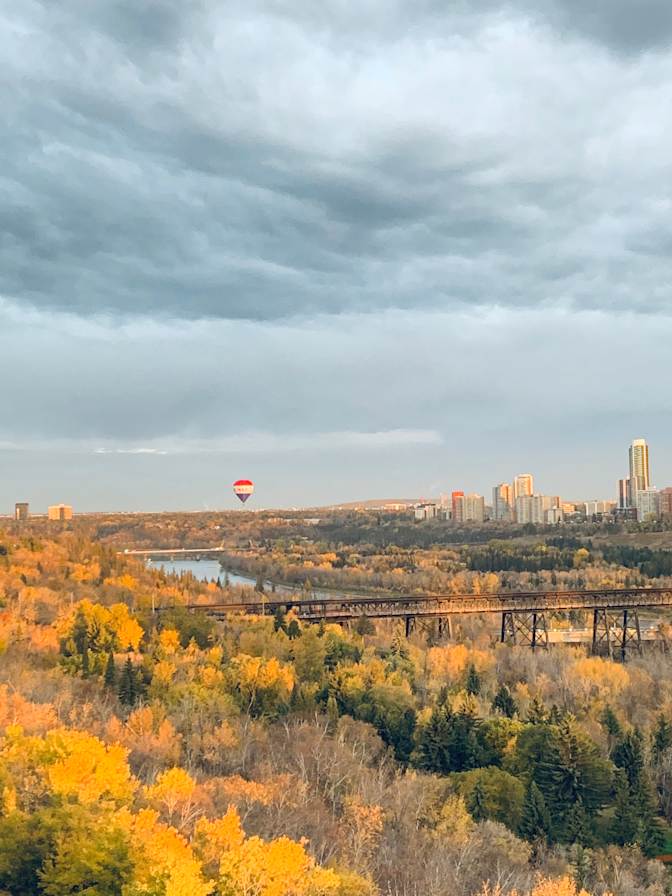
260 160
629 26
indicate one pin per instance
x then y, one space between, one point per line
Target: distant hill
375 504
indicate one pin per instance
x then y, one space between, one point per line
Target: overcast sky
346 249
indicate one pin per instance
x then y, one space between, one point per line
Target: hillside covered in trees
145 749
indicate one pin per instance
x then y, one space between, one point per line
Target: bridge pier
410 625
445 626
618 631
524 629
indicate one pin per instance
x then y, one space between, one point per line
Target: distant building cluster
57 512
517 501
637 497
61 512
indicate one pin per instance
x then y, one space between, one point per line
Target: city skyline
519 485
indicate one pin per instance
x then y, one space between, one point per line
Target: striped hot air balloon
243 488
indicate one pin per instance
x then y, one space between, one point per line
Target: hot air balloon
243 488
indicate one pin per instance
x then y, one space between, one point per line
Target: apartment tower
640 480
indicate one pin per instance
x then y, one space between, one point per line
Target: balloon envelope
243 488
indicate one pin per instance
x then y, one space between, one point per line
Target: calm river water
206 570
210 570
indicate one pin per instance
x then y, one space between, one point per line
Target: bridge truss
524 614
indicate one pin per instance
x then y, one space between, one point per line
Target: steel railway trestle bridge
616 627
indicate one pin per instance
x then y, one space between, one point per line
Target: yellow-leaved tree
164 862
250 866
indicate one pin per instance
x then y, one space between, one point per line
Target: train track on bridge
523 613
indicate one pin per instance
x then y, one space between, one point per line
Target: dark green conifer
537 714
473 683
577 825
110 671
662 737
624 824
332 712
128 685
535 821
364 626
476 802
612 726
504 703
279 620
628 754
86 668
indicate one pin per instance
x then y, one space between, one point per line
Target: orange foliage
35 718
84 767
165 863
147 735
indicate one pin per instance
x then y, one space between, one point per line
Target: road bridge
175 553
524 614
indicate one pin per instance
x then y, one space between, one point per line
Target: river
206 570
210 570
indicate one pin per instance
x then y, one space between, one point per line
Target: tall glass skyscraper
640 479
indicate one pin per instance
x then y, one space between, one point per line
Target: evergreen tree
473 683
651 833
537 714
293 630
612 726
399 646
535 821
662 737
110 671
433 751
332 712
279 620
653 837
628 754
465 750
625 823
583 865
504 703
86 669
556 716
259 584
577 825
80 632
364 626
128 685
476 803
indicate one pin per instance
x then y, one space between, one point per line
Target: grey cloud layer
136 384
144 414
263 160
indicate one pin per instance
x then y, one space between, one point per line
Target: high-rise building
535 508
502 501
665 502
623 493
21 511
647 503
60 512
454 498
639 469
598 508
523 485
524 509
426 511
474 508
